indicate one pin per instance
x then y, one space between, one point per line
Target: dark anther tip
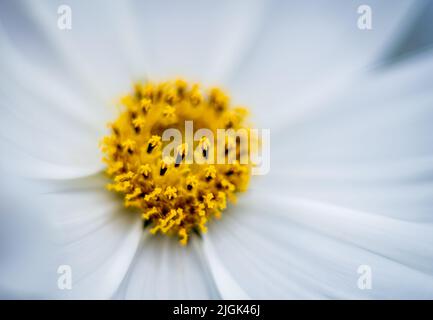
229 173
179 159
162 171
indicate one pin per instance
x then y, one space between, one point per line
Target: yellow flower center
175 197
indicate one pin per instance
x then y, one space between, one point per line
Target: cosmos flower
349 111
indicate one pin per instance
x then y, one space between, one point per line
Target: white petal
418 37
279 247
45 122
163 269
195 39
304 53
369 148
227 286
27 253
91 50
96 235
121 41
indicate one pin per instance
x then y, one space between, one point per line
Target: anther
164 167
170 97
210 173
191 182
116 131
204 145
138 91
148 91
152 143
181 87
169 111
195 96
230 172
144 170
138 123
180 154
129 146
162 171
145 105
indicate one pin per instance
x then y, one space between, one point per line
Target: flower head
174 196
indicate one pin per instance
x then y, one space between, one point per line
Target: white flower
350 113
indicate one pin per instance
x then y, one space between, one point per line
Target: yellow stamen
175 197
